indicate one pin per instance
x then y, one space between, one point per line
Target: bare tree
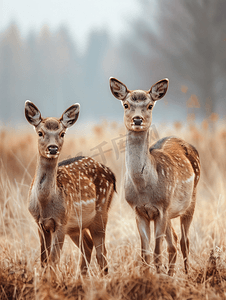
186 39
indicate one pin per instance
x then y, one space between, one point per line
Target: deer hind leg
143 225
172 250
45 241
185 222
86 248
97 230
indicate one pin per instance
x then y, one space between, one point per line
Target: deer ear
118 89
32 113
159 89
70 116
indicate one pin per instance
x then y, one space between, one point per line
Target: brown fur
70 198
160 182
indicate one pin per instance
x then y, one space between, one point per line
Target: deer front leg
143 225
45 241
57 244
160 229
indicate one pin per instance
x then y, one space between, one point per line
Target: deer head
138 104
50 131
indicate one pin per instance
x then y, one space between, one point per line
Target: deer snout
137 120
53 149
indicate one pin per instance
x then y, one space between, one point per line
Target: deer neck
45 178
137 145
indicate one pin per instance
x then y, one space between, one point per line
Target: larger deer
161 181
72 197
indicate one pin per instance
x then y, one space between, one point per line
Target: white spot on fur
190 179
90 201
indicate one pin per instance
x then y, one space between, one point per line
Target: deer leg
185 222
172 250
160 229
97 231
143 225
184 242
86 248
57 244
45 241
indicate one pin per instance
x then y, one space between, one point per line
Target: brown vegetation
21 276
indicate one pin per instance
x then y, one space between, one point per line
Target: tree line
182 40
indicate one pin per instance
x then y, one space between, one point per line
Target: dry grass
21 276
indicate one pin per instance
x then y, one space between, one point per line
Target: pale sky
80 17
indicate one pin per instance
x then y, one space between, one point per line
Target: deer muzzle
137 121
53 149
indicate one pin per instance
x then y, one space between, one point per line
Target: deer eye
126 105
40 133
62 134
150 106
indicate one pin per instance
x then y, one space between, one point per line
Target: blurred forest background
182 40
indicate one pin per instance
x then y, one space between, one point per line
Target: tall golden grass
21 276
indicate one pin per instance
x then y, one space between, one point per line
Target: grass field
21 276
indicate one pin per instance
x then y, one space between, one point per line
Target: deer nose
53 149
137 121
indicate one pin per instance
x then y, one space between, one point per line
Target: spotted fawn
71 197
160 181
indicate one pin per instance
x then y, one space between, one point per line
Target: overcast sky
79 16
